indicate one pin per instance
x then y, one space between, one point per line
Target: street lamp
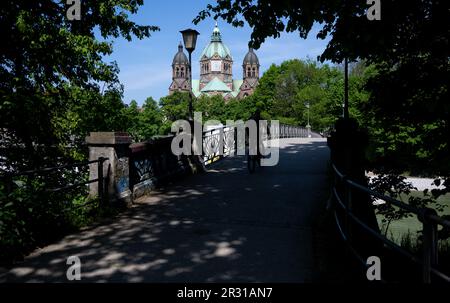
346 114
308 127
190 40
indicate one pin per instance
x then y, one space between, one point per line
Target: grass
411 225
405 232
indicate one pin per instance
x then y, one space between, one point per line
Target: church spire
216 36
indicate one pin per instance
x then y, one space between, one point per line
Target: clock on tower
216 65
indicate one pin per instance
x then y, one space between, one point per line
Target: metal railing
222 141
290 131
430 221
8 178
219 142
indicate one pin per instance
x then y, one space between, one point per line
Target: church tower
216 71
250 74
216 64
180 72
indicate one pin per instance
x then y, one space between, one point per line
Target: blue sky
145 65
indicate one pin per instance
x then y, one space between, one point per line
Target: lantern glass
190 39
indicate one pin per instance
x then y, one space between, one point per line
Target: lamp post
190 40
308 127
346 115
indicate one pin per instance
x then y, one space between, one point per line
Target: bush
32 216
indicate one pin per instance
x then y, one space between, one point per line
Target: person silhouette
256 116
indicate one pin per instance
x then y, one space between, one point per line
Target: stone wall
132 170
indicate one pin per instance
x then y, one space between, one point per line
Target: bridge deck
224 225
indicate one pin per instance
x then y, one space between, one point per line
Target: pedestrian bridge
224 225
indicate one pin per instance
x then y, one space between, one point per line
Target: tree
352 34
212 107
150 120
238 109
131 115
55 87
265 91
91 112
174 107
410 127
286 89
45 58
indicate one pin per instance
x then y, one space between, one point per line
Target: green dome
216 46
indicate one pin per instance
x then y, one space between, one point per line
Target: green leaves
146 122
212 107
175 106
51 72
285 89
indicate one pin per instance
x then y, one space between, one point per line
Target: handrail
99 179
375 233
71 186
439 220
221 127
385 198
47 169
391 200
220 143
429 221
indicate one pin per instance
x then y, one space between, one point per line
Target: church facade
216 71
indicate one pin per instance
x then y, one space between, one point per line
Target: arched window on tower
248 72
253 72
177 73
182 72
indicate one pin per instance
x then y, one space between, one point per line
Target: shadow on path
224 225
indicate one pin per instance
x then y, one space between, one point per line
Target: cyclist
253 159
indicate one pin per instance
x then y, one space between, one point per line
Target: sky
145 65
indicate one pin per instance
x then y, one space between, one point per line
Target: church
216 71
